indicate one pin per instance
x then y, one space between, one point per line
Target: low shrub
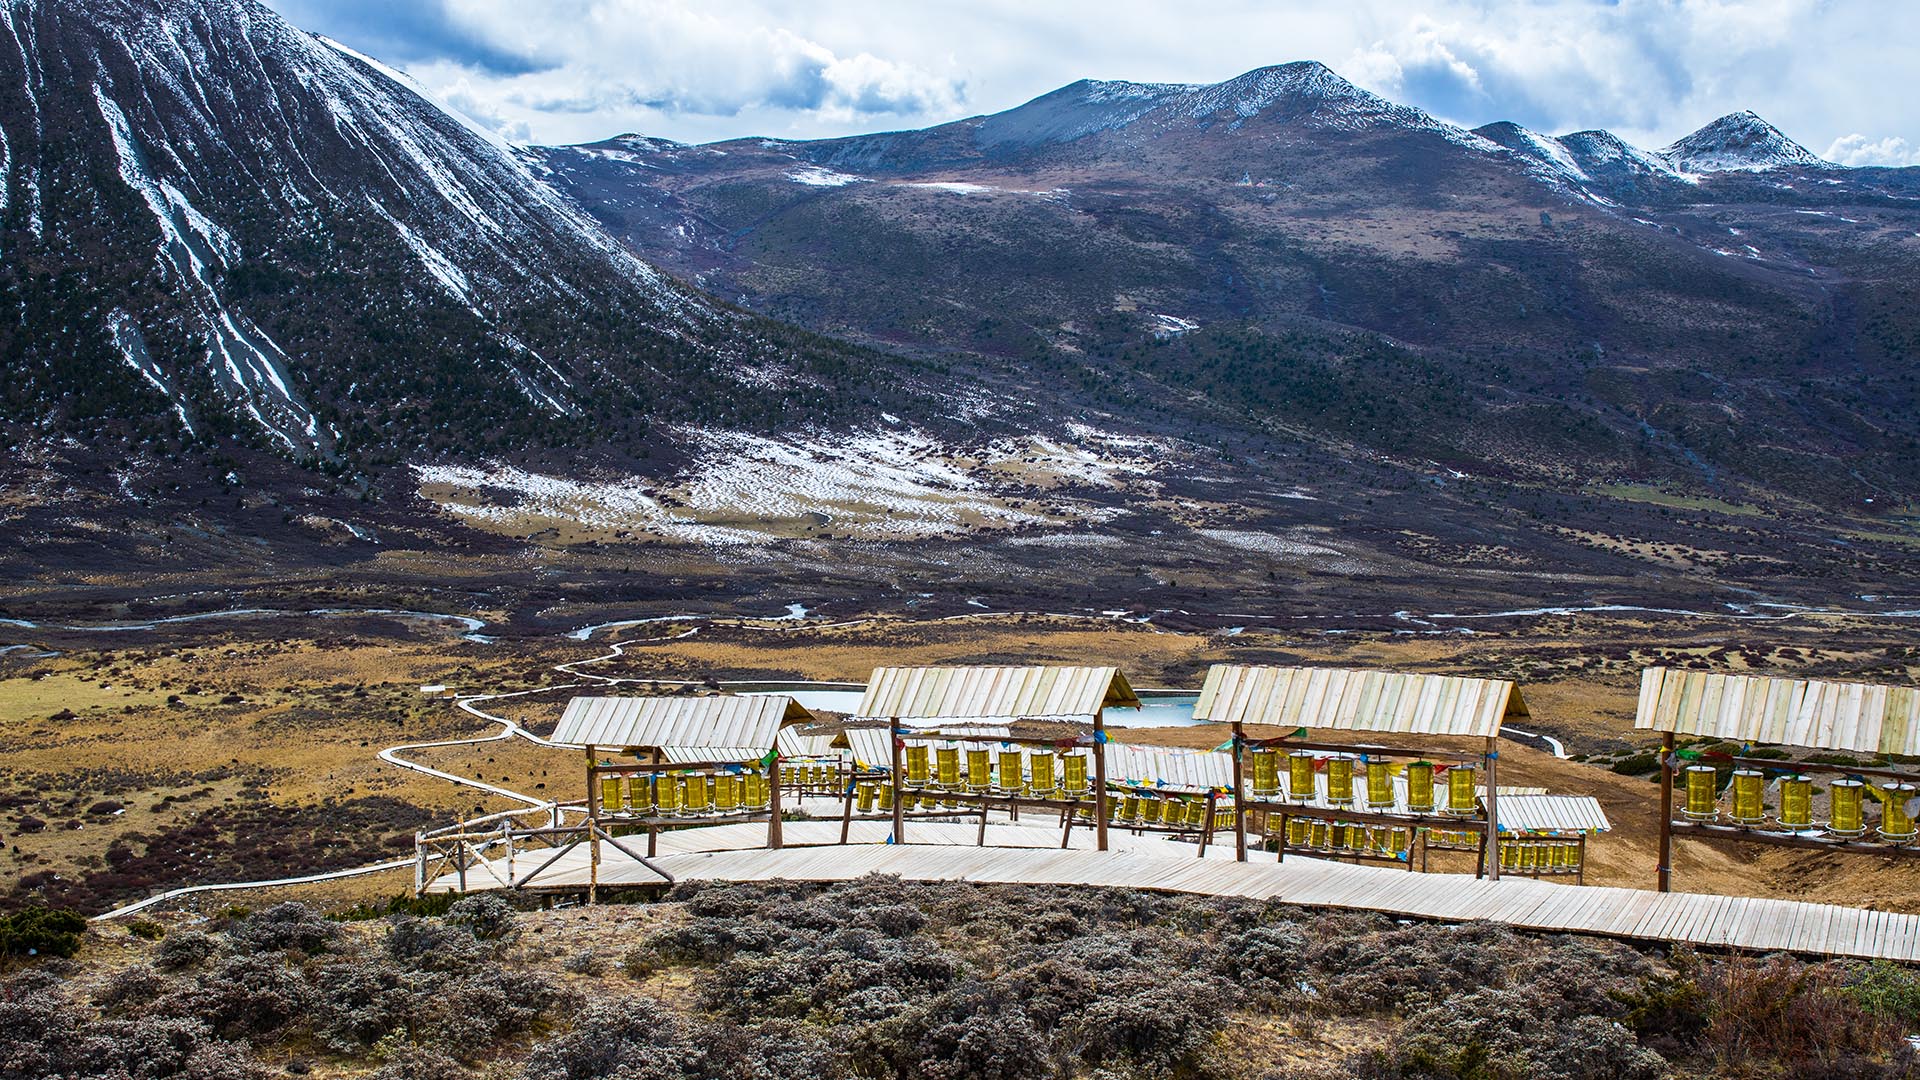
146 929
38 931
289 926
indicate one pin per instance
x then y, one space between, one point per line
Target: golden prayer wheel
1529 855
916 765
1845 808
1461 791
1012 777
639 793
1570 856
755 790
1379 786
1340 836
1040 765
1796 802
726 793
1339 780
1896 824
1317 835
698 795
609 793
1420 787
865 794
1300 776
667 792
1698 782
1150 811
1299 831
979 770
886 796
1076 779
1197 814
1749 797
1130 807
1509 854
1398 841
1266 773
948 762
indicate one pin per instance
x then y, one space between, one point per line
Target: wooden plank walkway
1030 854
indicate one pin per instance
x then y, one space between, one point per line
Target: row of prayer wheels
1846 804
1540 855
819 776
1124 807
1389 841
684 795
1360 783
1039 773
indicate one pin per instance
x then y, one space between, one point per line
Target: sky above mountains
1837 75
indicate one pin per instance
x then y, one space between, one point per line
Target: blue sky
1838 75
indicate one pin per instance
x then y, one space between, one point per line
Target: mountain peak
1739 142
1303 90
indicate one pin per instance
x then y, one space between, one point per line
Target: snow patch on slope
816 176
749 490
133 349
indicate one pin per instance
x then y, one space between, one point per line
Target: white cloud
1650 70
1860 150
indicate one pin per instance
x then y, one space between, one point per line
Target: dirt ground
118 745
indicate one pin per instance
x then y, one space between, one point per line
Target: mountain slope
220 227
1289 254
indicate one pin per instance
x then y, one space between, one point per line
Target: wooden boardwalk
1027 854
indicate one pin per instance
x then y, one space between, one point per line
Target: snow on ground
955 186
815 176
749 489
1170 326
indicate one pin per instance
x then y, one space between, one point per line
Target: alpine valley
277 325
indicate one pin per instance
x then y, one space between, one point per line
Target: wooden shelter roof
678 726
917 694
1355 699
1860 717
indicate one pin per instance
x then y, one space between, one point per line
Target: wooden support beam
1100 779
1493 808
899 811
1741 834
1239 793
775 838
593 828
1663 869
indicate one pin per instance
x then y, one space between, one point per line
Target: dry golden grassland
274 739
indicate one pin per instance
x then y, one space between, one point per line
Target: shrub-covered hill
876 978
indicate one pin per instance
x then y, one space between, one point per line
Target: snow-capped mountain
1304 92
1739 142
1164 247
252 230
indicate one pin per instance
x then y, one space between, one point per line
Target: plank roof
1169 768
673 723
1356 699
913 695
1815 713
1551 813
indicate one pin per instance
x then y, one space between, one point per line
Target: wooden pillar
1664 871
1239 794
1492 855
775 838
593 829
899 812
1099 779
